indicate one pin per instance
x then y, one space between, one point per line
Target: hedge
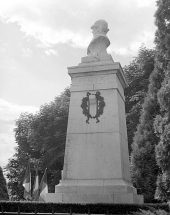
39 207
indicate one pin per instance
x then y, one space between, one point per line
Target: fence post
53 209
35 209
88 210
107 211
70 210
2 209
18 210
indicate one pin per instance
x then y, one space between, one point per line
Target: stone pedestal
96 164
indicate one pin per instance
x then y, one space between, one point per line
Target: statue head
100 27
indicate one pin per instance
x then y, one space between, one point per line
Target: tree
48 131
144 164
162 121
42 136
15 169
3 187
137 75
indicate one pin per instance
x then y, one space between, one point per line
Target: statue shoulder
100 38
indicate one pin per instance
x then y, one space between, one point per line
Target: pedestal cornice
95 68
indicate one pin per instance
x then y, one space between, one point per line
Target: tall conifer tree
162 121
137 75
144 164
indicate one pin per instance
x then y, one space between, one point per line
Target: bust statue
100 41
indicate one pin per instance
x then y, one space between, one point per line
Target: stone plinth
96 164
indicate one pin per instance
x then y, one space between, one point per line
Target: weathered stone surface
96 164
94 198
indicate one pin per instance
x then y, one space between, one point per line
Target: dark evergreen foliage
3 187
162 121
144 166
137 75
146 140
61 208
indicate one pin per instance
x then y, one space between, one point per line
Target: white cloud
51 52
49 36
29 16
13 7
144 3
27 52
68 22
138 3
146 39
94 3
9 112
6 148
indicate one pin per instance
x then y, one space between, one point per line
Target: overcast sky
39 39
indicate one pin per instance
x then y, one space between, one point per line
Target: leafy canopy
42 136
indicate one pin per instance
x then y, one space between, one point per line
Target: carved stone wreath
85 105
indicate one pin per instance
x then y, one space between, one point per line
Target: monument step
96 189
94 198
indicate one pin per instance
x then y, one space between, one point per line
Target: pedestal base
94 198
94 191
